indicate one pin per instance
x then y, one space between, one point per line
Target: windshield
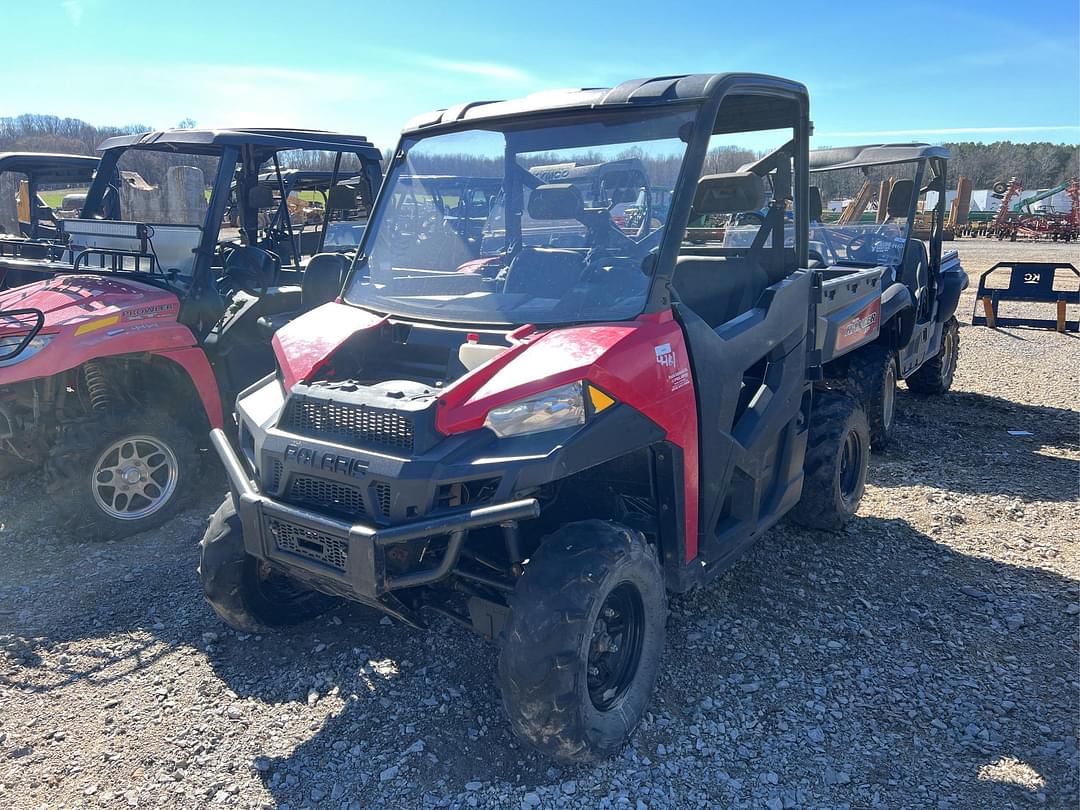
864 214
165 188
543 224
863 218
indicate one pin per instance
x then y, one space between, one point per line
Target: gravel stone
117 678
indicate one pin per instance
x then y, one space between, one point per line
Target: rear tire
248 595
581 649
935 376
116 475
872 372
837 453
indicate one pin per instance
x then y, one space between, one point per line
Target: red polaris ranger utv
541 432
122 343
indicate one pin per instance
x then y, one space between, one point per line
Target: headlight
551 410
9 344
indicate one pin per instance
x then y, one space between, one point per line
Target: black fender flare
897 305
953 281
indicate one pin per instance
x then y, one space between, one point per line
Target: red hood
69 300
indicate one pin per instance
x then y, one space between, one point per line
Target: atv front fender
194 363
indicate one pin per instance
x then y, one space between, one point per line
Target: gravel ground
927 657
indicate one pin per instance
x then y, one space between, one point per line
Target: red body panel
302 345
94 316
642 363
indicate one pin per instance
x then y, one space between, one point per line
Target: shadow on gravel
93 607
65 591
960 442
878 663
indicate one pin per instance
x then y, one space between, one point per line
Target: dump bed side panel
849 314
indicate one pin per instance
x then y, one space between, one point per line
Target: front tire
935 376
834 471
581 649
113 476
245 592
872 373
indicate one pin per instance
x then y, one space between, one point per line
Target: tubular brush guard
350 554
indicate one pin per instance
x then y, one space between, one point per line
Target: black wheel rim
850 464
615 646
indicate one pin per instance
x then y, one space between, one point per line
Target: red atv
542 452
116 361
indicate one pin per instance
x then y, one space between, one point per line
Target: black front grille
382 496
304 542
349 424
329 495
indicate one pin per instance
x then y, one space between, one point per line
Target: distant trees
51 133
1038 165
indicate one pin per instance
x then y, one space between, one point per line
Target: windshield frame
936 166
507 124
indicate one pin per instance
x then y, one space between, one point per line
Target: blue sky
876 71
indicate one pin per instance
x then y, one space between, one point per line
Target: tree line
1038 165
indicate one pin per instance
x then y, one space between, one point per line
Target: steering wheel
861 247
251 270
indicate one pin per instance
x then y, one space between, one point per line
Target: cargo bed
849 313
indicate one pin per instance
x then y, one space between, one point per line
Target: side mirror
556 201
730 193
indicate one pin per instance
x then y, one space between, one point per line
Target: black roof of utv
875 154
49 167
758 110
213 141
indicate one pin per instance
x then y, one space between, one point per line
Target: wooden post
854 211
883 199
988 309
24 201
1061 314
962 202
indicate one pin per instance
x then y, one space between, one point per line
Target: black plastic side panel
751 451
951 282
896 302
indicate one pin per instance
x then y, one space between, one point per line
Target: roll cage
242 155
47 168
931 165
724 103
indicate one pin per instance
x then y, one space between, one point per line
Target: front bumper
348 559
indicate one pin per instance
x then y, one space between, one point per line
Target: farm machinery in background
1015 218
